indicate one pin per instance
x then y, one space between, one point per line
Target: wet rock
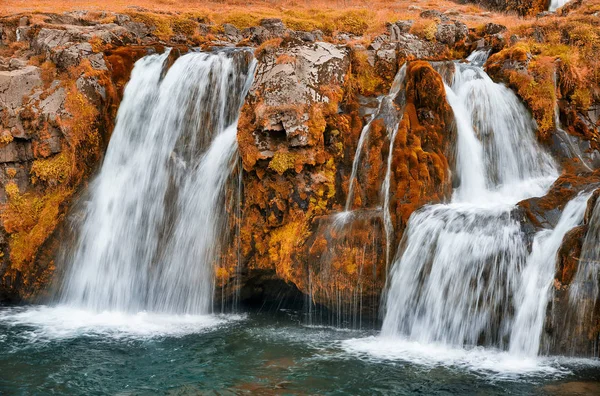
274 25
446 33
122 19
90 87
306 37
394 31
257 34
16 151
411 46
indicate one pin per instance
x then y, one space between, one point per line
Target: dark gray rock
494 28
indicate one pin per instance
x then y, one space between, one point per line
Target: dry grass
352 16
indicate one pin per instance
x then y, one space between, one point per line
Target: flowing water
459 268
536 280
155 218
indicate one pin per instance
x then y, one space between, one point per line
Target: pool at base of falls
259 353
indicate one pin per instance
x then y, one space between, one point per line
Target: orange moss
285 59
266 46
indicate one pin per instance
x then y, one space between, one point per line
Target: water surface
63 351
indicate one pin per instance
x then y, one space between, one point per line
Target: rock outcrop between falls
62 77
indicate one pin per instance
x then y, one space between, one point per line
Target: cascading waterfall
536 280
156 216
459 264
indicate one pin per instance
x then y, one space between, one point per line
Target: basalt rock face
297 145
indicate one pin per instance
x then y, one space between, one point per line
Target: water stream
464 267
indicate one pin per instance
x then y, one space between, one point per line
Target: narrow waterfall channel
156 214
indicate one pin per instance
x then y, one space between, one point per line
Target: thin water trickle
156 215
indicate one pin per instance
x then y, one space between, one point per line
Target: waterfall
156 215
459 264
536 280
556 4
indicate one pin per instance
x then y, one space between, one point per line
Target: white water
64 322
556 4
537 278
153 224
460 264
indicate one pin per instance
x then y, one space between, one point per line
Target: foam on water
46 323
492 363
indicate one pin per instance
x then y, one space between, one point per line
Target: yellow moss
52 171
5 138
425 29
282 161
161 24
582 98
81 125
283 243
48 72
30 219
12 190
222 274
356 22
184 26
242 20
363 77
